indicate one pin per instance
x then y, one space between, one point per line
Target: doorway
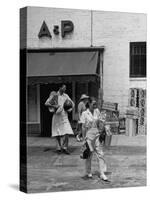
46 116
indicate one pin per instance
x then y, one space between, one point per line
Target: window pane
138 59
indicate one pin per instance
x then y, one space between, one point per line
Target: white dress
60 123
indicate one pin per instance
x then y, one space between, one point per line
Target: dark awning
61 64
62 79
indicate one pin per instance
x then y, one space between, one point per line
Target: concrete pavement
50 172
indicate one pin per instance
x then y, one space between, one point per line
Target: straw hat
84 96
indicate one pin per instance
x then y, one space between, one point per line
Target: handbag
102 136
85 151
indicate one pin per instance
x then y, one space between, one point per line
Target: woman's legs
79 136
58 141
65 144
88 161
100 157
65 141
88 165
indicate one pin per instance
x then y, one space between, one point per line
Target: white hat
84 96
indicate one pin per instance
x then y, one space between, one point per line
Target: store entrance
46 116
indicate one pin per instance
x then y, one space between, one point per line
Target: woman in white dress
90 119
61 128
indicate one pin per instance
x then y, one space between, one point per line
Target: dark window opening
138 59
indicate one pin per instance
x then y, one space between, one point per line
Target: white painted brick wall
80 37
138 83
115 30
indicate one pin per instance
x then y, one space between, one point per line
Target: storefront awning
61 64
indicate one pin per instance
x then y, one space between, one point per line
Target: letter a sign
44 31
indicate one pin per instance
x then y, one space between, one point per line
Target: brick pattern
114 30
81 36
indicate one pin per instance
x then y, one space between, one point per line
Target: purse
85 151
102 136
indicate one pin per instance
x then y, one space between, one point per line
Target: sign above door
67 27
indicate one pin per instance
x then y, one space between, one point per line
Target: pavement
48 171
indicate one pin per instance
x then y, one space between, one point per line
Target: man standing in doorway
61 128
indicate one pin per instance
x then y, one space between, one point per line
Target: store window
137 59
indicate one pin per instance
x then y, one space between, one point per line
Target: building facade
99 53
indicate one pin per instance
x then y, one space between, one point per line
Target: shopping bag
52 102
68 105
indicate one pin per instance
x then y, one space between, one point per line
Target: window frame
136 44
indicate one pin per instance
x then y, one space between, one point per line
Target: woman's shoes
78 138
62 150
104 177
66 151
59 151
89 175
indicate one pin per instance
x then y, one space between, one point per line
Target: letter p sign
66 27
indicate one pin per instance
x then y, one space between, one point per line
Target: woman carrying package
61 128
92 125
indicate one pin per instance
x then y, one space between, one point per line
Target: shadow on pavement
14 186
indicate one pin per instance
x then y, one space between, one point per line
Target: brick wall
114 30
138 83
80 37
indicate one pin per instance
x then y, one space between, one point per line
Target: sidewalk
48 171
117 140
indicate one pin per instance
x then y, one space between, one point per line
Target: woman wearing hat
81 107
